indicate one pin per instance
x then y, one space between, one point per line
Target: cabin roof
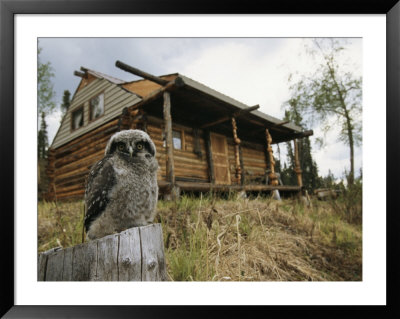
207 90
201 87
142 88
103 76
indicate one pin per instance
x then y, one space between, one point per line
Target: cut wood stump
136 254
326 193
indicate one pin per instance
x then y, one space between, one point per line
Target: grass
234 239
59 224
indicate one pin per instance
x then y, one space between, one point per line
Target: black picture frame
8 10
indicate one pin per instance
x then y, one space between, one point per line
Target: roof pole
141 73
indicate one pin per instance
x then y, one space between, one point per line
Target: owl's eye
139 146
121 147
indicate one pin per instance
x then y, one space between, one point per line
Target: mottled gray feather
122 188
100 181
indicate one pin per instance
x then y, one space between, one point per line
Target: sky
250 70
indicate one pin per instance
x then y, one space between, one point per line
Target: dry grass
59 224
260 239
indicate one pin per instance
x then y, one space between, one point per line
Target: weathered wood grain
43 262
107 258
130 256
84 262
55 266
67 266
41 269
153 263
135 254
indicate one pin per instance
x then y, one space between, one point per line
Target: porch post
169 147
236 140
297 168
273 179
210 162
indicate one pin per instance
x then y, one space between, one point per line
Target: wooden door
219 149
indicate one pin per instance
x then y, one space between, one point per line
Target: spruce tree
66 101
43 142
307 164
331 93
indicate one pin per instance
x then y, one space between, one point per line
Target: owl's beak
131 150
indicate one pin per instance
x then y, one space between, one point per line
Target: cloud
334 155
53 122
240 71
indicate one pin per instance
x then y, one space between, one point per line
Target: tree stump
136 254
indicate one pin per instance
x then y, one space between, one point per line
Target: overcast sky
251 70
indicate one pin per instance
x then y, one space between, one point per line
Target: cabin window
77 118
96 107
176 139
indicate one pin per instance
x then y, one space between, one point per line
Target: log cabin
205 140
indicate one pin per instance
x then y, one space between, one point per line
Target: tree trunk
348 125
351 144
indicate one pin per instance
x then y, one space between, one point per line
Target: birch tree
330 93
45 88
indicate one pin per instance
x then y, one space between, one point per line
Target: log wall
254 163
188 165
69 165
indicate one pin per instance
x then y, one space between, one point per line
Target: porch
165 187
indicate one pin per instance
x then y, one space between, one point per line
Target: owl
121 189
